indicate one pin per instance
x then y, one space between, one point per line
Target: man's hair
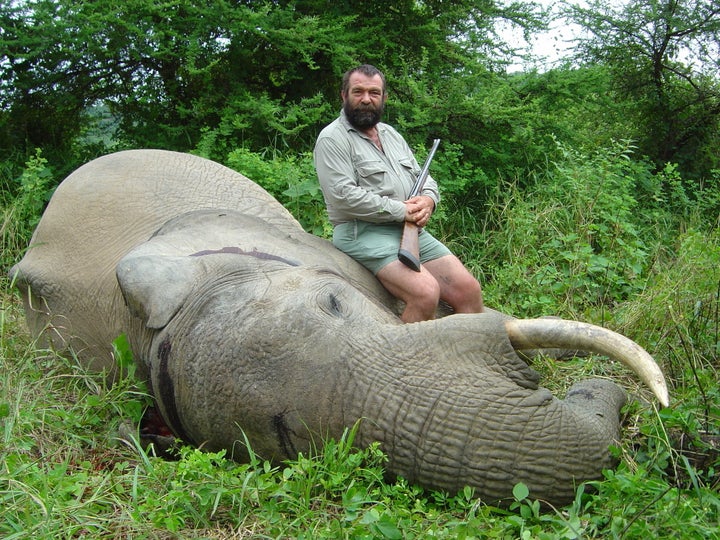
365 69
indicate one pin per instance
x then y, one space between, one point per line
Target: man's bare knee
464 294
419 291
420 308
468 298
426 296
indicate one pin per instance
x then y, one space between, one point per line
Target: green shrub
21 213
291 180
580 241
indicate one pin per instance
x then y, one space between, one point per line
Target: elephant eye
330 302
331 295
335 305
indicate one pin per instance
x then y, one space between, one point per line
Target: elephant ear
156 286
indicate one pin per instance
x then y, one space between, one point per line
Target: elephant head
252 330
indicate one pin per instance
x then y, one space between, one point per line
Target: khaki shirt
359 181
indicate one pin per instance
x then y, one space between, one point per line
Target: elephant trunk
558 333
454 410
480 419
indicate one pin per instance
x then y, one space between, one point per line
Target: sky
551 45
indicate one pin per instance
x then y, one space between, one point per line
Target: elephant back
99 213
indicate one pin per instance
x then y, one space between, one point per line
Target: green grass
65 471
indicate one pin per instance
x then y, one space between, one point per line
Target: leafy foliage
292 181
663 59
23 202
256 73
589 191
573 243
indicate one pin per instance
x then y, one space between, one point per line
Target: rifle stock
409 252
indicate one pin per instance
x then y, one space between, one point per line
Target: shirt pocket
373 176
409 175
409 167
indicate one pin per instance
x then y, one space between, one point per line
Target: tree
224 73
164 69
664 56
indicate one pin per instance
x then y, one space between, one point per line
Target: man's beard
363 116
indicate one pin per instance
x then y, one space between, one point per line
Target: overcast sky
551 45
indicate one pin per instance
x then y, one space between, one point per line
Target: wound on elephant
165 391
237 251
283 432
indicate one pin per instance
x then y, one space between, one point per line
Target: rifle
409 252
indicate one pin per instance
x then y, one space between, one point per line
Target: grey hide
245 324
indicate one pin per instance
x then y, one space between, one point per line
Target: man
366 172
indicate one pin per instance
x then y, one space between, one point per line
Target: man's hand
419 209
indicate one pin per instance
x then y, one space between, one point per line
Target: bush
21 211
291 180
580 241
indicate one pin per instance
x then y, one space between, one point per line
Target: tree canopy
265 72
215 76
664 56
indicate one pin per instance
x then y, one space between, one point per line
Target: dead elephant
244 323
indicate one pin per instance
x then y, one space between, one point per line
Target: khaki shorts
375 245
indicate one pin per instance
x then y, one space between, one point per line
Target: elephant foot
599 397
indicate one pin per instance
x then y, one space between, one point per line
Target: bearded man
366 171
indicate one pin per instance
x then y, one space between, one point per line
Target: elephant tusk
559 333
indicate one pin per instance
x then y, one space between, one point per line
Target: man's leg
419 290
458 287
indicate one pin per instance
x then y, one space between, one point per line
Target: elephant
254 334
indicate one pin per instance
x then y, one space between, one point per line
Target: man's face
364 101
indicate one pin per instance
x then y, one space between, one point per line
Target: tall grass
71 468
